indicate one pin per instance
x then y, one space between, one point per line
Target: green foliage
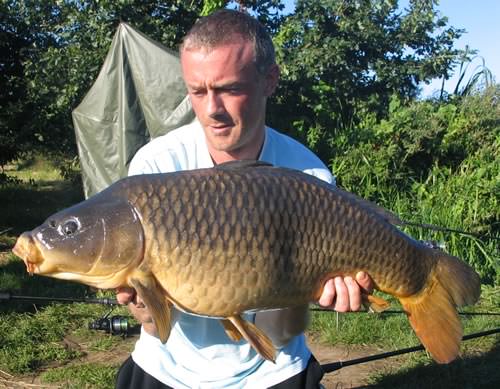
434 163
481 77
54 51
342 59
339 61
467 200
16 39
210 6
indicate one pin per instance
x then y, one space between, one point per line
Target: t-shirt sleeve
148 161
322 173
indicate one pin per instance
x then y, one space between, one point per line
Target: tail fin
432 312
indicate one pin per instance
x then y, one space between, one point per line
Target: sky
481 20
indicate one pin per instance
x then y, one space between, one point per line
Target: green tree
20 40
343 59
340 60
53 50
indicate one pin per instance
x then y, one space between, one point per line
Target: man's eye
234 91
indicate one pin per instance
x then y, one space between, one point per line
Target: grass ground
477 367
47 340
51 345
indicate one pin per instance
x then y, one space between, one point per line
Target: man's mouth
220 129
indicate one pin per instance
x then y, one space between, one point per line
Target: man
229 69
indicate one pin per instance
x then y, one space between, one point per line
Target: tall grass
478 79
456 201
436 164
431 163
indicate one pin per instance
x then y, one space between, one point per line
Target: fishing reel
114 325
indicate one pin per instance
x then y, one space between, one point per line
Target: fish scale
274 212
246 236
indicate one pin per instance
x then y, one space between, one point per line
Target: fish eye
70 227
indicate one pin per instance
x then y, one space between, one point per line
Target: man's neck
219 157
251 152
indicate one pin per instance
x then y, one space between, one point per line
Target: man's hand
340 294
344 294
128 296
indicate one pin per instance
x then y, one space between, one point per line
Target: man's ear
272 78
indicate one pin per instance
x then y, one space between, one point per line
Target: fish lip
26 249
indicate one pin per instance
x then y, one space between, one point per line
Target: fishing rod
118 325
433 227
329 367
114 325
400 312
30 299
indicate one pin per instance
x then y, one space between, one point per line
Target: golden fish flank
247 236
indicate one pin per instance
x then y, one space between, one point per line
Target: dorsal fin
242 164
382 212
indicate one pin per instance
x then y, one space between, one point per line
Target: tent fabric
138 95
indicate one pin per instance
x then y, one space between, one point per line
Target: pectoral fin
231 331
374 303
257 339
150 291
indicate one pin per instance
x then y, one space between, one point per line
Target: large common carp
247 236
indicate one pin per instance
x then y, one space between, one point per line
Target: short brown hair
225 26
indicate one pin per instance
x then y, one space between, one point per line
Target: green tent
139 94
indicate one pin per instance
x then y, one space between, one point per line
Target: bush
434 163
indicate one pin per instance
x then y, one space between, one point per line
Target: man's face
228 96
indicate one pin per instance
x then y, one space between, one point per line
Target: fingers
336 294
365 282
344 294
125 295
341 304
354 294
128 296
328 294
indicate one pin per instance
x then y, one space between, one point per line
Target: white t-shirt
198 353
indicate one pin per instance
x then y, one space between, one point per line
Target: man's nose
215 105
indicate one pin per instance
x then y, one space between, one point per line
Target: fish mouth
26 249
